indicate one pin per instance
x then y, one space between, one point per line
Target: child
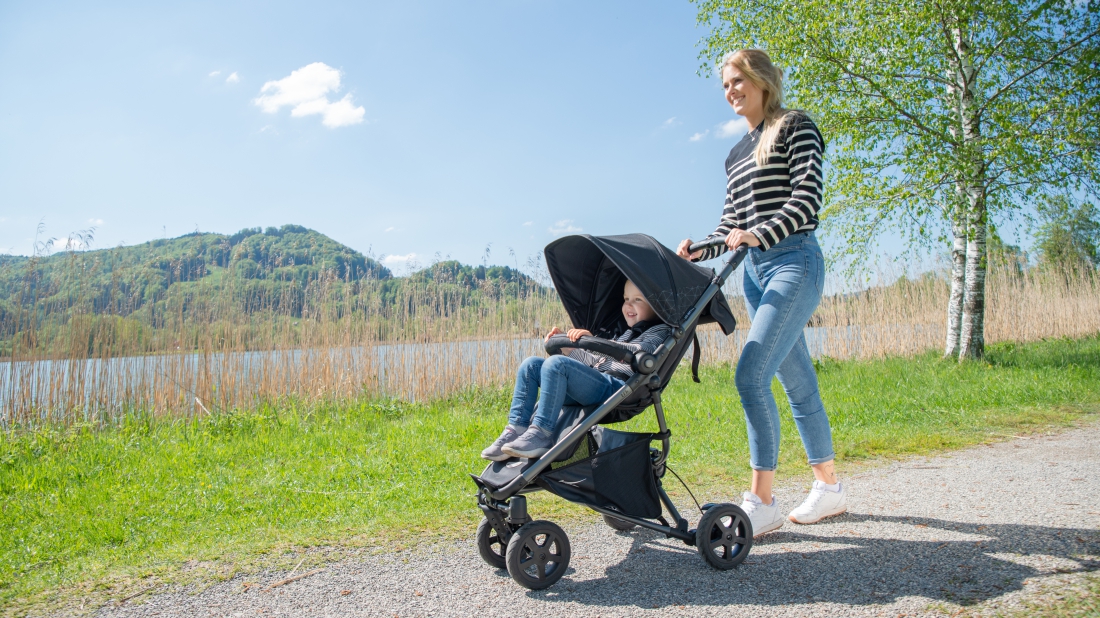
578 378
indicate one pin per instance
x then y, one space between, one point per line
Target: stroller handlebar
735 259
642 362
707 244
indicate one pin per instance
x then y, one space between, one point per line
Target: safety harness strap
695 358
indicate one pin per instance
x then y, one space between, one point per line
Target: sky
411 131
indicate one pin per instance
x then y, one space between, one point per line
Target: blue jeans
782 288
564 381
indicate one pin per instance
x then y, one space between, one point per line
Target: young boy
578 378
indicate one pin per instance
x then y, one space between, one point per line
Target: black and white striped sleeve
585 357
647 341
803 146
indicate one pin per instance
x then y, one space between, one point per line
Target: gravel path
982 528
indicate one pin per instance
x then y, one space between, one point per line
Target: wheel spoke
737 523
537 554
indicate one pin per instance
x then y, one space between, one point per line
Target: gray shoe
533 443
493 452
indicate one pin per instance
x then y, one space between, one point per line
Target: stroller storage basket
616 474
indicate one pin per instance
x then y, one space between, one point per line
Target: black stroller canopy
589 273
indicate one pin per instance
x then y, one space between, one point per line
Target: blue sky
502 122
408 130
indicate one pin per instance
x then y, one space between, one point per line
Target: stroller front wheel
724 537
489 545
538 554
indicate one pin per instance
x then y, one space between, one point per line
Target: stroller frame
505 507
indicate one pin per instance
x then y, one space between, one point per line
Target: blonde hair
756 66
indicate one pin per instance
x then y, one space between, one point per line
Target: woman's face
743 96
635 307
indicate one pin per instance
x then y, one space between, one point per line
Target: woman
773 197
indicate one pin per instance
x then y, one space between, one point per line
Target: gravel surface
980 529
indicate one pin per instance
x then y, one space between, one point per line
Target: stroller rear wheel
724 537
618 524
489 545
538 554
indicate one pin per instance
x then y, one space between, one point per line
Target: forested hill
272 269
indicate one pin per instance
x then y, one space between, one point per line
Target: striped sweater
648 341
782 197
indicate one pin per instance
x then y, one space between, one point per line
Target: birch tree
941 116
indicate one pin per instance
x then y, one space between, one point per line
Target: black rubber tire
724 537
489 546
618 524
538 555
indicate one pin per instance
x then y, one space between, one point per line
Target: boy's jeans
564 381
782 288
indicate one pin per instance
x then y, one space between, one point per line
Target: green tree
1008 258
1069 236
940 115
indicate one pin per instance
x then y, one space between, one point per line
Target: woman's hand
577 333
553 331
682 250
741 237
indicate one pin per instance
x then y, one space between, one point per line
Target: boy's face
635 306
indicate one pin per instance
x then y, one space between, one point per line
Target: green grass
1078 602
1079 598
88 512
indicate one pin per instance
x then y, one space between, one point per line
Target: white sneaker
764 518
821 503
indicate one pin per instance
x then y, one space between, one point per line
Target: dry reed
234 350
910 315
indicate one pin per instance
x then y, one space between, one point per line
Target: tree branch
885 97
1035 69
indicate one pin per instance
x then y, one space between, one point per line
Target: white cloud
399 259
233 78
671 122
698 136
215 73
391 228
528 223
733 128
95 221
565 226
306 91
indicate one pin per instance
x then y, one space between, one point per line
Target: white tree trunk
958 279
972 328
972 339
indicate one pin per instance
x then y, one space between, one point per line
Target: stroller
615 473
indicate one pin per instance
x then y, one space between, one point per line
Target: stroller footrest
499 473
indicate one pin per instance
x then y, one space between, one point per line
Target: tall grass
235 346
909 316
327 339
